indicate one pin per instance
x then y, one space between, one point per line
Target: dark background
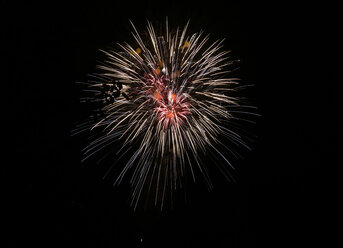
281 194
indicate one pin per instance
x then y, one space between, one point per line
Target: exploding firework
164 103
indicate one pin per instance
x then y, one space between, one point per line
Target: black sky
280 197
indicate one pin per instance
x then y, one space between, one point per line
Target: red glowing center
172 107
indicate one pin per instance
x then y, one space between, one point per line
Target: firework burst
167 100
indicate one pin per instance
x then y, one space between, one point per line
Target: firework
164 103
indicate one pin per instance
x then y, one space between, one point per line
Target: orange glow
173 96
170 115
157 95
138 50
157 70
186 44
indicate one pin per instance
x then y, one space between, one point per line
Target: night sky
280 197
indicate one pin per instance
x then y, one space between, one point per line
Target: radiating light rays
166 101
